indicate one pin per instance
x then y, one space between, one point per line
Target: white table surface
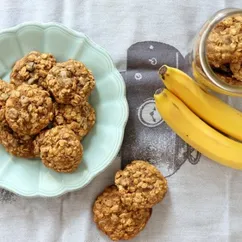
204 201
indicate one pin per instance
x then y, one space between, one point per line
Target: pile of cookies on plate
44 110
123 209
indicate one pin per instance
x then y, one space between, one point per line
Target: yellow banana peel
208 107
196 132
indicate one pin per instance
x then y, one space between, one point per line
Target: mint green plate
30 177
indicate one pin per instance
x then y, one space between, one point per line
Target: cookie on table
20 146
5 91
70 82
60 149
114 219
141 185
32 69
29 109
79 119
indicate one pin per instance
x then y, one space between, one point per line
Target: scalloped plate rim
122 103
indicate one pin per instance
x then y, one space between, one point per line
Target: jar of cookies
216 55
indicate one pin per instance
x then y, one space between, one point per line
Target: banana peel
196 132
205 105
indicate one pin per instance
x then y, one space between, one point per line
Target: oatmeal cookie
5 91
32 69
236 68
29 109
224 44
228 79
38 141
60 149
70 82
141 185
114 219
20 146
79 118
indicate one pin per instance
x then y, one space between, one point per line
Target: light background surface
203 202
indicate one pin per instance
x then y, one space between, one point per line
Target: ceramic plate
30 177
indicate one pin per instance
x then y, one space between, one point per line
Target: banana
208 107
196 132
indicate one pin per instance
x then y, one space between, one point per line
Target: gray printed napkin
147 136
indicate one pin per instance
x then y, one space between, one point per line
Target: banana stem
162 71
158 91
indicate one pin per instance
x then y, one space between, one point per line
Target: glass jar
201 69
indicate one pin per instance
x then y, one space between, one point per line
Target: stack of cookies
44 110
123 209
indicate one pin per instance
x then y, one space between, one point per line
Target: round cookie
141 185
223 45
29 109
5 91
79 119
20 146
60 149
32 69
70 82
114 219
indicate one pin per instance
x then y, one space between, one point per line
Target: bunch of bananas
202 120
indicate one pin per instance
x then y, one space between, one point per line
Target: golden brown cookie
29 109
224 43
20 146
79 118
114 219
38 141
228 79
60 149
70 82
5 91
236 69
141 185
32 69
